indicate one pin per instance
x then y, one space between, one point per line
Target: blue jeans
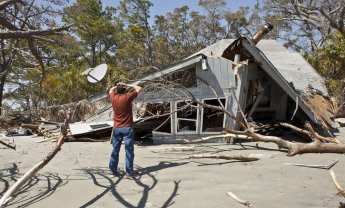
119 134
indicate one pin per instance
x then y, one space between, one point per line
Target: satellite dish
96 74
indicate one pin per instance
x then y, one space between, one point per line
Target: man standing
123 125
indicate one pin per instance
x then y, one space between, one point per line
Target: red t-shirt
122 107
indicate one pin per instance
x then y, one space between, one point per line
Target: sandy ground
78 177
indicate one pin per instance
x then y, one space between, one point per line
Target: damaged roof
291 65
289 69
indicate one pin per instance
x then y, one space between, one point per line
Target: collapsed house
260 81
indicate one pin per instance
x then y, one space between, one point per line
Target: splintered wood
241 201
320 106
337 184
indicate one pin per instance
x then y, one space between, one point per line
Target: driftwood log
337 184
33 127
241 201
225 157
19 183
317 146
225 135
294 148
7 144
51 131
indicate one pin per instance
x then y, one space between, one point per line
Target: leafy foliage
48 72
329 61
95 28
307 25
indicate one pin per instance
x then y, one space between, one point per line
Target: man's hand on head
122 83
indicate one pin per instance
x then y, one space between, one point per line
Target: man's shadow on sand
100 174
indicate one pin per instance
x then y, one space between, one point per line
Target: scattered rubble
340 121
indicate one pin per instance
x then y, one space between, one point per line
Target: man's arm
135 87
112 90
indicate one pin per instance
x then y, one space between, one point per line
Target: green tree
96 29
23 24
214 30
329 61
135 14
131 53
29 78
178 35
246 21
100 37
69 80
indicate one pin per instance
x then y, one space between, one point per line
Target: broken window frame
202 116
177 119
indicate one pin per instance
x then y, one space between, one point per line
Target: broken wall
272 103
79 111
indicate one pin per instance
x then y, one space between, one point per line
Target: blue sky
164 6
161 7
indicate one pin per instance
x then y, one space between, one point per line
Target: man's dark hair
120 89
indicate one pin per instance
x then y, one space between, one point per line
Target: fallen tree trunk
7 144
295 148
33 127
225 157
311 133
224 135
16 186
50 122
313 147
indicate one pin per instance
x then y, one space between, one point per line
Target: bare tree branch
225 157
7 24
29 33
337 184
6 3
296 148
308 133
323 17
9 145
241 201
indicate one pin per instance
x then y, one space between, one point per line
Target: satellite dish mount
96 74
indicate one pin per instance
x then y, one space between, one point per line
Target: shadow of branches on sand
146 180
45 183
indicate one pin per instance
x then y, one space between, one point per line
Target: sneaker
114 175
132 175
